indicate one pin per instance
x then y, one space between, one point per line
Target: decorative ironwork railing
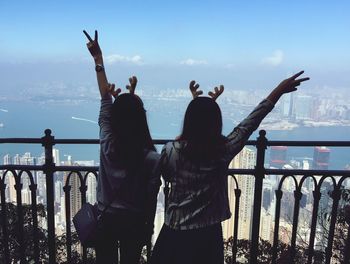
337 177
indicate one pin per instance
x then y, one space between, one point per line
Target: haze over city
247 45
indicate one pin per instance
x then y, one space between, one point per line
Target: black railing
49 168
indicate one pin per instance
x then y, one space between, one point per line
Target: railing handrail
289 143
229 171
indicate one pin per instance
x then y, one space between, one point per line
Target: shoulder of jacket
152 158
152 155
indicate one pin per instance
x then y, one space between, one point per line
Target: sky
241 43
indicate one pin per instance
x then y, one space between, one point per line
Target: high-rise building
58 191
265 231
321 158
56 156
27 159
10 191
303 107
266 198
26 196
287 106
7 159
91 189
41 183
63 211
227 226
16 159
246 160
91 181
278 156
291 111
304 196
75 194
326 190
287 205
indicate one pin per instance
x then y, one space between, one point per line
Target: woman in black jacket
128 181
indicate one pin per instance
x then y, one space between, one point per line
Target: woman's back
196 189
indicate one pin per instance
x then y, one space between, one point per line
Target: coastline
287 125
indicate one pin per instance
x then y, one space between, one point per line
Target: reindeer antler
111 90
217 92
132 86
193 87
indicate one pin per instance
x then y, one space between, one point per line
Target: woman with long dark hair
196 166
128 181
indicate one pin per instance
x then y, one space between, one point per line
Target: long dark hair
202 130
129 124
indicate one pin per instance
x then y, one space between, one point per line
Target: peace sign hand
93 46
290 84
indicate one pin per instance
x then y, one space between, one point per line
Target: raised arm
241 133
96 53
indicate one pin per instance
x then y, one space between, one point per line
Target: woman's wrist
275 95
98 60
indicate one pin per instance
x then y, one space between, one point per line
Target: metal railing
49 168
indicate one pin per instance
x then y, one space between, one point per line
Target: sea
76 119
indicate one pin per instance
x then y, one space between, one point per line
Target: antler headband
217 92
131 87
214 95
193 88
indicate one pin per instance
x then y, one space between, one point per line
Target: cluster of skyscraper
246 159
308 107
60 180
278 158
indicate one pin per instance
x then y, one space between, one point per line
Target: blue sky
276 36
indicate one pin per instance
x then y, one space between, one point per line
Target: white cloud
115 58
231 66
275 59
192 62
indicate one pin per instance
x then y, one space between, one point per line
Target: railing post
336 197
259 177
347 243
5 236
18 187
235 229
297 197
66 190
311 250
279 194
33 188
48 168
83 189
